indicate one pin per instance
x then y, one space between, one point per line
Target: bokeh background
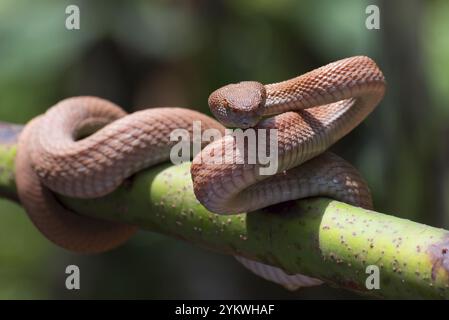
143 54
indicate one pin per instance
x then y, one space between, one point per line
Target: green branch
322 238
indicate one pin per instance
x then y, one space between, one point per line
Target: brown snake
312 112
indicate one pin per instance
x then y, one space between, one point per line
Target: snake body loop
327 102
310 113
51 157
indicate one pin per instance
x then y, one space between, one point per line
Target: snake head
239 105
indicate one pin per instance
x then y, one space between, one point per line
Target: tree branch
322 238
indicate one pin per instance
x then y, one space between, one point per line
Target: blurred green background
143 54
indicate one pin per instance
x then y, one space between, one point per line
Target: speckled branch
326 239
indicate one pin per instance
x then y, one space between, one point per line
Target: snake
86 147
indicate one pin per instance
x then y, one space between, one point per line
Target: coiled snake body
311 111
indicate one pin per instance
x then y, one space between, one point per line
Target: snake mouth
238 120
248 122
245 125
233 116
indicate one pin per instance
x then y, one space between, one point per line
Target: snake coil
310 113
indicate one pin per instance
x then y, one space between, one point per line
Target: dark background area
143 54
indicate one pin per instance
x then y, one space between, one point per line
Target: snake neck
348 78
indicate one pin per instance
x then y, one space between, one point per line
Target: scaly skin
328 103
49 157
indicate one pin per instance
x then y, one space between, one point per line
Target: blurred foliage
174 53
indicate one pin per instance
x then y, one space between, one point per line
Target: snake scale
86 147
